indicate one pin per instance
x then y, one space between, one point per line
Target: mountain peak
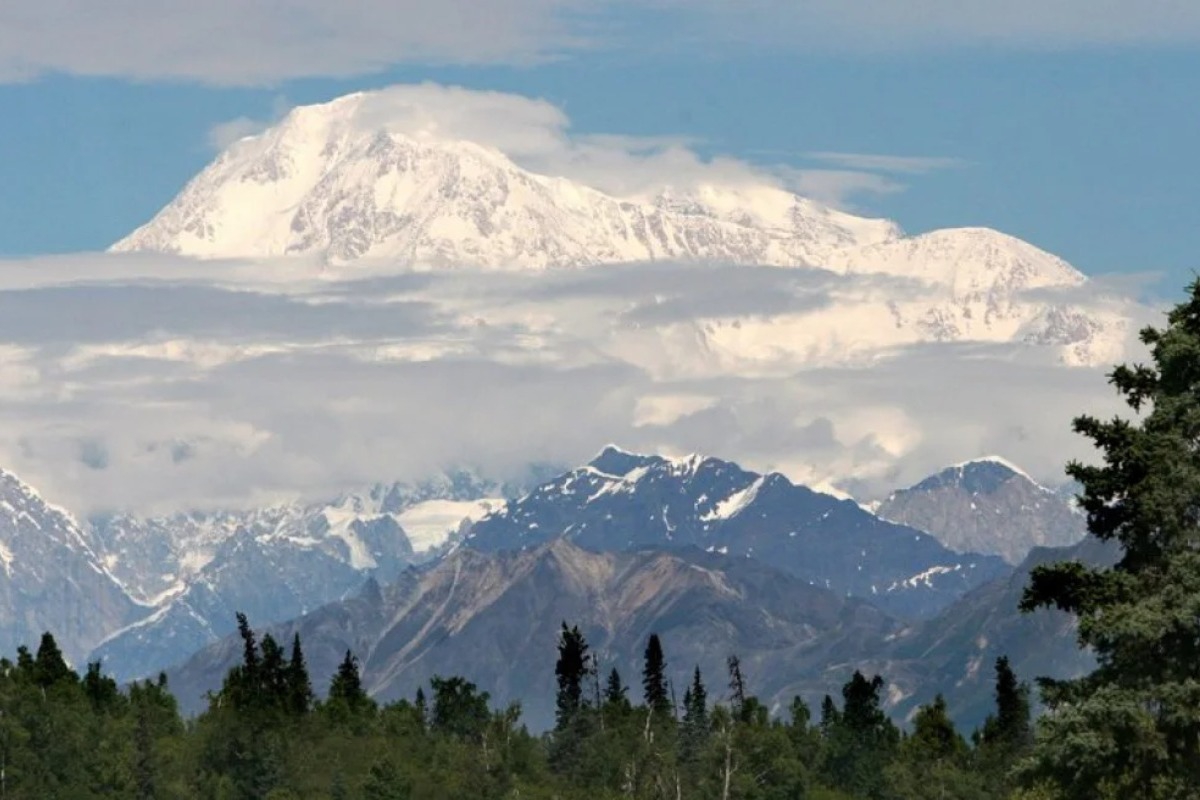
357 177
988 505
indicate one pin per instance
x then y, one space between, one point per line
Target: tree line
265 735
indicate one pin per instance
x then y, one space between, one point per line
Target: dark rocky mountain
954 653
988 506
54 579
623 500
494 617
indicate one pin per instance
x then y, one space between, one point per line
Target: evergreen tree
654 677
1008 733
737 688
694 732
615 692
299 687
570 670
1131 728
100 689
50 668
272 682
861 739
346 687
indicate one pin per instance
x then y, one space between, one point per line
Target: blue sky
1076 132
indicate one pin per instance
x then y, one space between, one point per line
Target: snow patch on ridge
431 524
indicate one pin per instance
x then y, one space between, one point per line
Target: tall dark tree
1010 727
616 693
694 730
861 739
249 647
299 686
654 677
346 687
272 681
570 670
737 687
100 689
50 668
1131 728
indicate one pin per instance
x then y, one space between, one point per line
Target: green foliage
89 739
1132 727
860 740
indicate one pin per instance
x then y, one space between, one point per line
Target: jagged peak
980 474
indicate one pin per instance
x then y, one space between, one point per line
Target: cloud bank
155 383
257 42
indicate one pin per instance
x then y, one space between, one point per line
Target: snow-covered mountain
336 182
623 501
327 181
988 506
198 570
379 529
54 578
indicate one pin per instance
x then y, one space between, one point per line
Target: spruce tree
272 682
1131 728
570 671
694 731
50 668
737 688
346 686
299 686
654 677
1009 729
615 692
861 739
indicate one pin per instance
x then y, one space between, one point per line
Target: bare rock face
987 506
495 618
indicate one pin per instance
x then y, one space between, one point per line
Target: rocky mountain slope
273 564
954 653
54 578
623 500
335 181
987 506
495 619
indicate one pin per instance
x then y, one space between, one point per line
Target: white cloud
153 382
873 162
888 26
238 42
246 42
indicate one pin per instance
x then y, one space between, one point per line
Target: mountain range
495 618
623 500
716 558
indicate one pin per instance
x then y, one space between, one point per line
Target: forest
266 736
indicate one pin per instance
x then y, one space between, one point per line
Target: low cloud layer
255 42
154 383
